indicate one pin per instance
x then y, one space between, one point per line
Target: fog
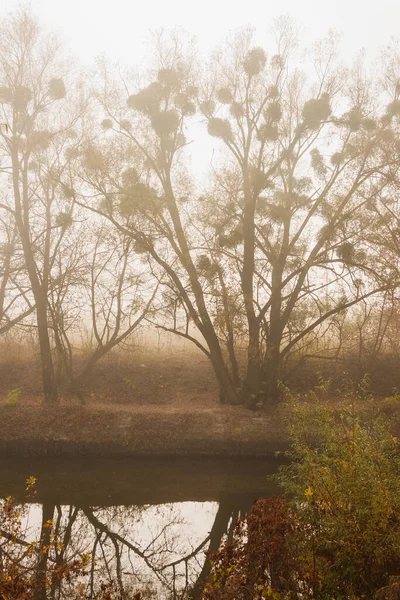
121 30
199 234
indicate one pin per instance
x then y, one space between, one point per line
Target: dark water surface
147 521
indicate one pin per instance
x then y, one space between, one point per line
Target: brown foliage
258 558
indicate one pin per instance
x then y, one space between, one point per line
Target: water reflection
155 545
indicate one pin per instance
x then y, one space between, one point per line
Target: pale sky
119 28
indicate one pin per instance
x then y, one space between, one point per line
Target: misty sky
118 28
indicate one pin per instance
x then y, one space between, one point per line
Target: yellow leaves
85 558
48 524
30 482
308 493
270 593
267 592
80 589
30 486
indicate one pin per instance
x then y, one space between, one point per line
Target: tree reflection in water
159 549
147 523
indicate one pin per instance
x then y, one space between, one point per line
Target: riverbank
150 403
112 430
155 405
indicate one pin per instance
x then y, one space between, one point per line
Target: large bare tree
277 247
37 143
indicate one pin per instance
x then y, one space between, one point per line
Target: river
147 522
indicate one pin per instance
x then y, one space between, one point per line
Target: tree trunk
253 376
50 390
228 392
226 510
230 343
39 291
273 372
276 326
45 537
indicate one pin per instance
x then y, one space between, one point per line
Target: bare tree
16 302
35 141
294 220
297 223
139 185
98 283
283 232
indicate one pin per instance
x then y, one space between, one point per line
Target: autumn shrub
25 571
12 397
336 536
28 570
258 561
344 477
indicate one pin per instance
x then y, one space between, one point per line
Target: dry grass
95 430
163 402
147 402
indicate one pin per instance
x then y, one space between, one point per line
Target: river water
147 522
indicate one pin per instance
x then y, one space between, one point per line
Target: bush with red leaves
258 562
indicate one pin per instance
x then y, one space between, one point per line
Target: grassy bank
160 403
152 403
104 430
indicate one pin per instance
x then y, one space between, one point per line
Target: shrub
207 108
391 404
273 112
315 111
165 122
107 124
236 109
344 477
57 89
169 77
21 561
22 96
257 563
268 133
224 95
28 569
254 62
338 534
12 397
